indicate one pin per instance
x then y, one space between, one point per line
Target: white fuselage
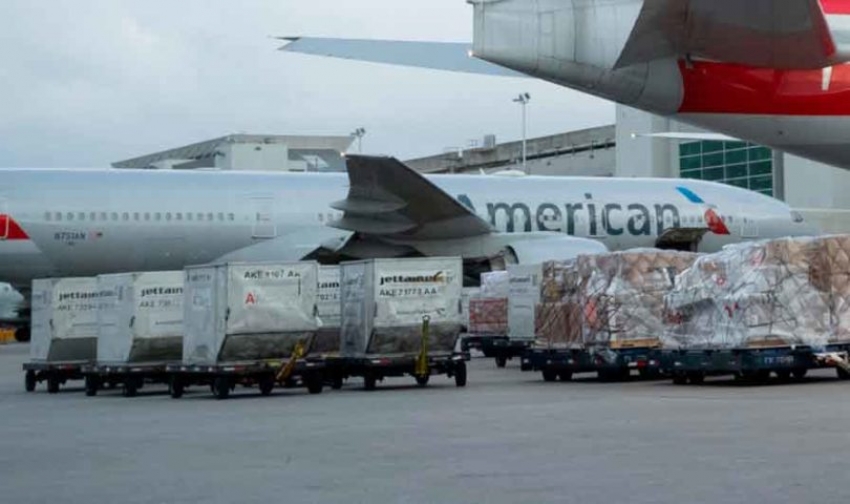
87 222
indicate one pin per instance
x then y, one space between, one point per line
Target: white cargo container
523 296
142 319
248 311
384 302
64 319
327 337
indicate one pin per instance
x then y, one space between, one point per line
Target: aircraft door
263 225
749 225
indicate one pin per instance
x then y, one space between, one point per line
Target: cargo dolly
131 376
755 365
610 364
224 377
374 368
55 374
499 347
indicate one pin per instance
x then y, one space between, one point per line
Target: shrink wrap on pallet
494 284
488 316
790 291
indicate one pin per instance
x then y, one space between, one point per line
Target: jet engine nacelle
556 248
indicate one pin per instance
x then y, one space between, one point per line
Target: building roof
209 149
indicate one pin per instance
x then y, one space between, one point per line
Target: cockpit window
797 217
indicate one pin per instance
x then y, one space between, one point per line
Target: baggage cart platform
131 376
374 368
495 346
223 378
755 365
55 374
609 364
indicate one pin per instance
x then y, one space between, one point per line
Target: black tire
680 379
784 375
176 387
696 378
460 374
422 381
266 385
501 361
842 373
52 384
30 381
565 375
315 383
799 373
92 385
649 374
131 387
22 334
221 387
369 381
549 375
290 383
336 382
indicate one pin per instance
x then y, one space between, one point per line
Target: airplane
772 72
70 222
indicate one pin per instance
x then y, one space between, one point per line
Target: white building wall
809 184
253 156
639 156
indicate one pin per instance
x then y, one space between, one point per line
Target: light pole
523 100
359 133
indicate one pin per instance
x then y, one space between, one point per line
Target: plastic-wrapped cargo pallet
790 291
248 311
385 300
557 316
466 294
142 319
64 319
488 311
327 336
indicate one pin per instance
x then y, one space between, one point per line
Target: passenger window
93 216
48 216
70 216
103 216
81 216
58 216
157 216
126 216
210 217
147 216
231 217
220 216
178 216
115 216
168 216
189 216
731 219
136 216
200 217
321 218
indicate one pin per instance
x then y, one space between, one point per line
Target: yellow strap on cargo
298 352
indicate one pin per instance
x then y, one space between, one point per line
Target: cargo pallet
55 374
374 368
755 365
223 378
609 364
499 347
131 376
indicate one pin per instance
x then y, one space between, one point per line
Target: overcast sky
89 82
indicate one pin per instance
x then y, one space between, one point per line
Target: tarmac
507 437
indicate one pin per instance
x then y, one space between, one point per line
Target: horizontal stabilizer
676 135
448 56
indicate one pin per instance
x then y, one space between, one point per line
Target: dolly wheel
315 383
565 375
460 374
680 379
92 385
422 380
501 361
176 387
783 375
336 382
799 373
131 387
369 381
266 384
29 381
843 374
52 384
549 375
696 378
221 387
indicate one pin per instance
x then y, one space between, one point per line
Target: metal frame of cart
224 377
55 374
374 368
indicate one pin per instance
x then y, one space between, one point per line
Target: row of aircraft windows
139 216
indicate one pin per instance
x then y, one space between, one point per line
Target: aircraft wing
387 199
449 56
781 34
